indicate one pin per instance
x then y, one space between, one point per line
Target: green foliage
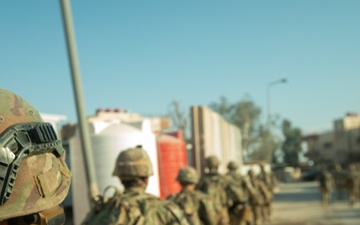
257 139
291 146
179 117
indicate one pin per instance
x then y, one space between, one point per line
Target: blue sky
140 55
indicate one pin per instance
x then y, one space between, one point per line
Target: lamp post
268 97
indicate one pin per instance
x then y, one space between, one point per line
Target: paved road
299 204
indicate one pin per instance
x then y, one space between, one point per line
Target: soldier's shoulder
200 195
170 213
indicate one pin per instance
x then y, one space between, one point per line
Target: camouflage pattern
215 187
221 189
269 179
198 208
212 162
135 206
353 184
340 181
241 214
326 182
133 162
15 110
43 180
188 174
258 200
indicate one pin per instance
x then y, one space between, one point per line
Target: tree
257 139
223 107
291 146
179 117
264 145
246 115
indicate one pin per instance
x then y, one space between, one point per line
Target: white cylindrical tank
108 140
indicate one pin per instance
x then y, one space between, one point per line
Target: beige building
341 145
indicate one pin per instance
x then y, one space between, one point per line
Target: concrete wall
213 135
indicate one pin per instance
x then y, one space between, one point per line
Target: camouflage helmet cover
133 162
232 165
212 161
42 179
15 110
188 174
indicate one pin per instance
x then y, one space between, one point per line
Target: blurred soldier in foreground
352 184
326 181
261 198
357 165
220 188
340 181
269 179
34 178
241 214
134 206
197 206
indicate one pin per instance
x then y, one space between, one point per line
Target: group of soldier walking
213 199
35 179
343 181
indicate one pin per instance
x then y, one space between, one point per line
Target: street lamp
272 83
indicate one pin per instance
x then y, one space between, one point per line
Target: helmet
212 161
188 174
232 165
33 174
251 173
133 162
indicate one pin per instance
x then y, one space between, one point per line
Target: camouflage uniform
269 179
34 178
221 189
326 181
198 207
261 196
352 184
357 165
241 214
134 206
340 181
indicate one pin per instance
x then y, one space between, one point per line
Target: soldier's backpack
197 207
223 191
189 207
115 210
121 209
214 186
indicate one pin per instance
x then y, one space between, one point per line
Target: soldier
326 181
352 184
340 181
241 214
221 189
258 200
197 206
134 206
269 179
34 178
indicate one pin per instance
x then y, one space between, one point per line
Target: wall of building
341 145
213 135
